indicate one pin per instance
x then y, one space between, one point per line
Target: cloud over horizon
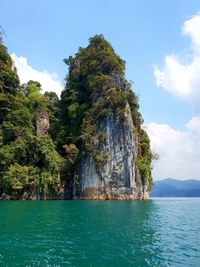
179 150
48 81
179 78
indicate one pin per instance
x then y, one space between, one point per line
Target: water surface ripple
159 232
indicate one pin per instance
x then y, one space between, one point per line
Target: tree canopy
31 163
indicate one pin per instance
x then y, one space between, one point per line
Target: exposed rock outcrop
42 124
101 118
116 176
116 179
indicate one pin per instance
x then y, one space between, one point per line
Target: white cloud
49 81
191 28
194 125
181 79
179 150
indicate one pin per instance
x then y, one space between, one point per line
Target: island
87 144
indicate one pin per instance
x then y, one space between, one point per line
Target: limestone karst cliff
114 152
88 145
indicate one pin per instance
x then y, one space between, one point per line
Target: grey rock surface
118 178
42 124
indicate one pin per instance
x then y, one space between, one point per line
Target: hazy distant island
176 188
87 145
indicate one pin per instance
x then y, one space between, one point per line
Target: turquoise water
159 232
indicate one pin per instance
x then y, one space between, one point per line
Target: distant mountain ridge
176 188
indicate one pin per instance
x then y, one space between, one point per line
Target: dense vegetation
41 164
28 163
95 88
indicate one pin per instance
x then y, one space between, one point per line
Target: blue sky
148 34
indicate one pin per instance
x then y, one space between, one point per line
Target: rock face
42 124
117 175
118 178
101 118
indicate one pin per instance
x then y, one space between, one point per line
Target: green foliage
89 75
36 103
45 154
9 81
100 160
7 155
144 158
91 82
95 89
27 162
72 153
18 177
17 123
53 108
53 100
31 87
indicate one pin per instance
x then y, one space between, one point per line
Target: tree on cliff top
95 88
91 93
89 69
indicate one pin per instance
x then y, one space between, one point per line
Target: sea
111 233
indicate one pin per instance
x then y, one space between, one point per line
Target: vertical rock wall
118 178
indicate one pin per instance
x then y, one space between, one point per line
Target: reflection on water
159 232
